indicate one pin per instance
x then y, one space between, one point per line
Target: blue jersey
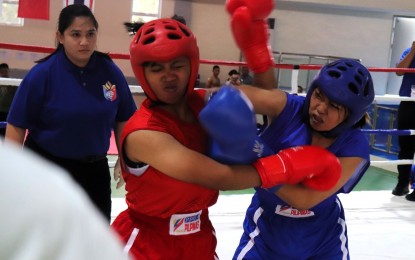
70 111
408 78
275 230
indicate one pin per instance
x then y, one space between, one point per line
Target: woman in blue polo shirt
70 102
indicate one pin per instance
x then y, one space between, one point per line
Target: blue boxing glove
230 122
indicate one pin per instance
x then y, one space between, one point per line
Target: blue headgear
347 83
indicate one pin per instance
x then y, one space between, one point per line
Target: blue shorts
282 232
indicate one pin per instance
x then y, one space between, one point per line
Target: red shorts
156 239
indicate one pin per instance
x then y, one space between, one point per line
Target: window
8 14
145 10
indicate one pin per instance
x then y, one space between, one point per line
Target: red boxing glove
260 9
314 166
250 31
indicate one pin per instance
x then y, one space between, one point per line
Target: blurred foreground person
45 215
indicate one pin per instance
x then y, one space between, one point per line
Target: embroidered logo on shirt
110 91
291 212
184 224
258 148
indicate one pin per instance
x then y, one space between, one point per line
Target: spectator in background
6 96
4 70
197 84
406 120
246 78
214 80
233 78
69 104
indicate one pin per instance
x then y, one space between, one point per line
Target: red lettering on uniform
191 226
296 212
304 212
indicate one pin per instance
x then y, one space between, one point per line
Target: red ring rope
31 48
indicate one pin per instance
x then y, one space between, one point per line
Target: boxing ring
137 90
380 225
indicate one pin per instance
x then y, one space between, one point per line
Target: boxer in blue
293 221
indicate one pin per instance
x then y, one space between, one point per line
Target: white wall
360 35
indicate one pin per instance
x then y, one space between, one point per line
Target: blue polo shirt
275 230
71 111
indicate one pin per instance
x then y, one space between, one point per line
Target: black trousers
406 120
3 118
91 173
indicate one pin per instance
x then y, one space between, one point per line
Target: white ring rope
389 131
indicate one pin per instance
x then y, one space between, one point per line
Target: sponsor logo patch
288 211
184 224
258 148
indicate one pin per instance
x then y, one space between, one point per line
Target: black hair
66 18
233 72
364 121
4 66
179 18
133 27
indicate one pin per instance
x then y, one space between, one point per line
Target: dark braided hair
133 27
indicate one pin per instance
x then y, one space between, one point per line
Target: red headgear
163 40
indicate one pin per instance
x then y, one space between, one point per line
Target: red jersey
155 200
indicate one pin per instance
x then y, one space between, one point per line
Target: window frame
145 16
14 6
